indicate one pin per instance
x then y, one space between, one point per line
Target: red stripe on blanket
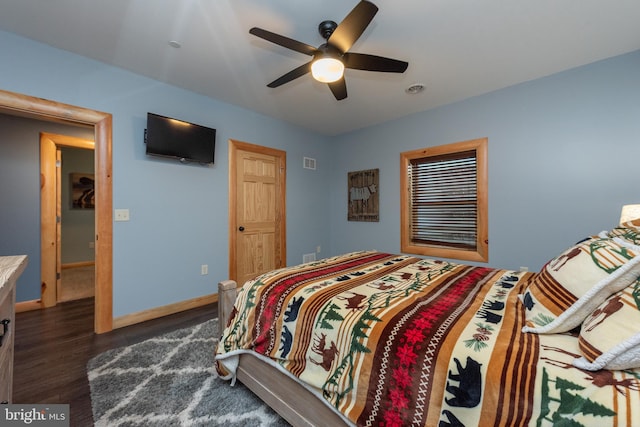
411 338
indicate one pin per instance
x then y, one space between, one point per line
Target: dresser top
11 267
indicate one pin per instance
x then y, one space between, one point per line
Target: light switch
121 215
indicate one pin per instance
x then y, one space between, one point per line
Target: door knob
241 228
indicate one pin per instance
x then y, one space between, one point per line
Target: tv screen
184 141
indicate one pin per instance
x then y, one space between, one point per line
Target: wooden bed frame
292 401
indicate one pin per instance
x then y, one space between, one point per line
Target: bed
370 338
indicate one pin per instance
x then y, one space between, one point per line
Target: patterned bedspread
395 340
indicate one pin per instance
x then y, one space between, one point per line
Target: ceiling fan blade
283 41
291 75
353 25
339 89
361 61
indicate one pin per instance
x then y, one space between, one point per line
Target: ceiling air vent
309 163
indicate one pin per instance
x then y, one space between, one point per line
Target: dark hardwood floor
53 346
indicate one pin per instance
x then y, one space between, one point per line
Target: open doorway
67 218
42 109
77 236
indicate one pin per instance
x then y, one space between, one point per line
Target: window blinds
444 200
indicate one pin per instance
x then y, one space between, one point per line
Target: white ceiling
456 48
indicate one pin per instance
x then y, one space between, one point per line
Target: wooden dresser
11 267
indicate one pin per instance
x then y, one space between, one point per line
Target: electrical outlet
92 245
318 249
204 269
121 215
524 268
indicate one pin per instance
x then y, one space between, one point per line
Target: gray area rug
170 381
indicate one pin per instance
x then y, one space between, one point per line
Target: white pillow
610 336
573 284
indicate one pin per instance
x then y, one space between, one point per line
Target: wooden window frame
481 251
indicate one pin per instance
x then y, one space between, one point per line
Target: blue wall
179 213
562 154
20 192
563 159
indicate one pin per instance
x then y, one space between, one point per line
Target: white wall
563 159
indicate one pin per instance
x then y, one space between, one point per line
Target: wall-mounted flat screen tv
178 139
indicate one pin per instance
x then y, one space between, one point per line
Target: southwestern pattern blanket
395 340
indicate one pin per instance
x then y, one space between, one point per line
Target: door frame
41 109
234 147
50 234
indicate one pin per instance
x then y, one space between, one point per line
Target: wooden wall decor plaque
364 196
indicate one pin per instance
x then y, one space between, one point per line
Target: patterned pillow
610 336
572 285
634 223
626 232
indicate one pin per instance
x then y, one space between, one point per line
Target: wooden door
257 232
58 197
50 211
48 222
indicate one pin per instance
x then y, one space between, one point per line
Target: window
444 201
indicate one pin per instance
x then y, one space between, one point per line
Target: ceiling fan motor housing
326 50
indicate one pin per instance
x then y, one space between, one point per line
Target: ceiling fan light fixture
332 57
327 69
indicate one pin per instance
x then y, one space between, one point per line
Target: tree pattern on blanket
568 405
431 343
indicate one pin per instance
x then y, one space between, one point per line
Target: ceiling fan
331 58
